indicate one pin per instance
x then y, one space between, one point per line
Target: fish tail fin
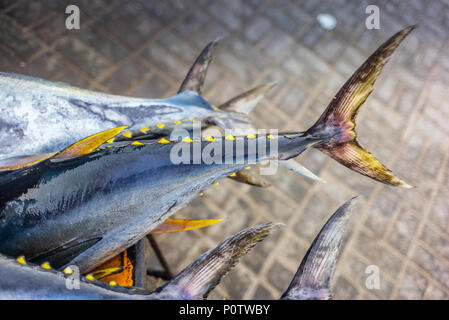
313 278
194 79
200 277
336 125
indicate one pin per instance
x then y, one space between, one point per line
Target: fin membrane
337 123
313 278
197 74
87 145
175 225
200 277
23 162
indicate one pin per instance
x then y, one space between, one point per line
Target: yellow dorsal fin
175 225
87 145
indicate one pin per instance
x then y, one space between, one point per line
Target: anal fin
175 225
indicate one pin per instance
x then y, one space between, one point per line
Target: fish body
20 280
39 116
27 282
312 281
85 210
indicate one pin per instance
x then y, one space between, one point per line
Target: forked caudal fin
200 277
312 280
336 125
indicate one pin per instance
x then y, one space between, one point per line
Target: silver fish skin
39 116
31 282
85 211
100 204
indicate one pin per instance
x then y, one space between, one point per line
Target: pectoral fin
87 145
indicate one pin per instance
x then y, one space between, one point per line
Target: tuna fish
20 280
39 116
92 200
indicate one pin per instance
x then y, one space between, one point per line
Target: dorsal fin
245 102
197 74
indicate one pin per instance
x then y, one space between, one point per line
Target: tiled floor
144 48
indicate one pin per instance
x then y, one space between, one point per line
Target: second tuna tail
312 281
336 125
200 277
